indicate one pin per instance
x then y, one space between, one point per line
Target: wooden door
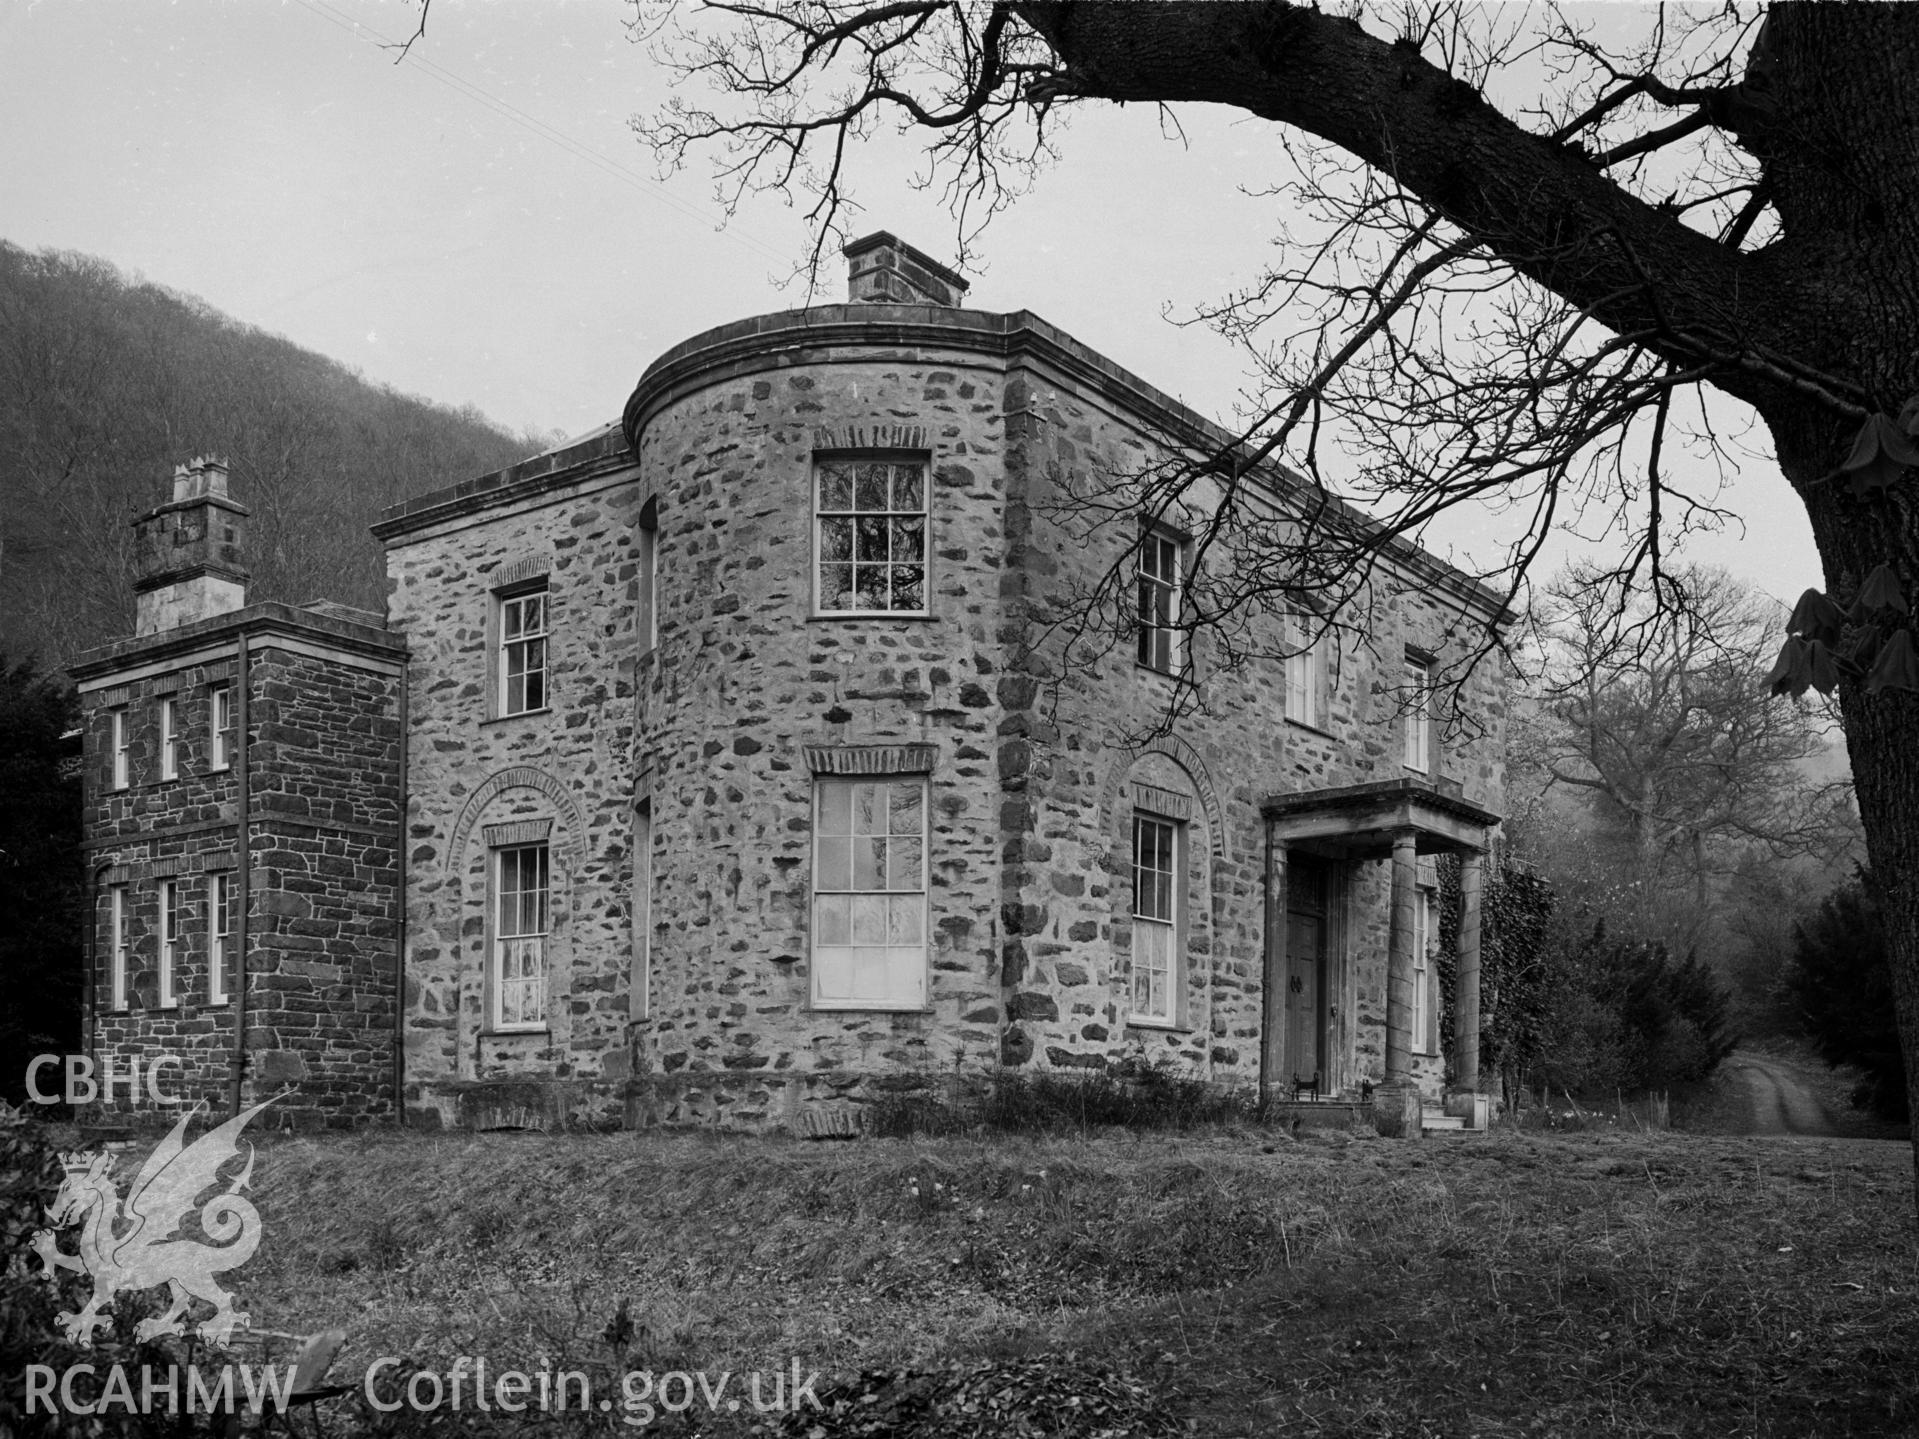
1305 1010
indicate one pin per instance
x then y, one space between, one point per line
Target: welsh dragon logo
137 1244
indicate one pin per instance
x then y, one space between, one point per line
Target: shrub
1631 1018
30 1173
41 876
1840 982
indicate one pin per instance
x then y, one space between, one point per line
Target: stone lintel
871 758
519 831
1161 801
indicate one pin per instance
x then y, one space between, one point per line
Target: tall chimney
188 554
883 269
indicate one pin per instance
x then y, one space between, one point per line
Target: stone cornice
598 454
839 333
1379 804
265 620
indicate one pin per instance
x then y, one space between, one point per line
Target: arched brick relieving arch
1188 759
572 836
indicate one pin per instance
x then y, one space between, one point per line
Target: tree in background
106 384
1658 783
1652 709
41 875
1841 983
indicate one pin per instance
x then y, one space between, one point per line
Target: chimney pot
204 476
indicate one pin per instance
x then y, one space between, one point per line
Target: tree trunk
1882 737
1845 167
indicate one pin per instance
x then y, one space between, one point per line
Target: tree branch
1523 197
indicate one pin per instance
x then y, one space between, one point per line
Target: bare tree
1660 716
1672 765
1730 202
106 384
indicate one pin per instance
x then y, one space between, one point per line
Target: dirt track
1779 1101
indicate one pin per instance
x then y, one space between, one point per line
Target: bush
30 1173
1840 982
41 876
1632 1019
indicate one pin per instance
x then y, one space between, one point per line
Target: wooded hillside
106 383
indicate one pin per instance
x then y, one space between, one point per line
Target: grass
1221 1283
1133 1095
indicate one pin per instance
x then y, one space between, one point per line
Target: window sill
1310 728
1164 1026
1178 677
843 1007
529 1033
832 616
516 715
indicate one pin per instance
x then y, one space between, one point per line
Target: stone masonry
649 801
566 523
310 870
699 697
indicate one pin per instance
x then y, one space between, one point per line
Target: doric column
1399 970
1272 1000
1466 1001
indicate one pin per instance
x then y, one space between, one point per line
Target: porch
1305 1039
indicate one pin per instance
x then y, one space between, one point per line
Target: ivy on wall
1515 969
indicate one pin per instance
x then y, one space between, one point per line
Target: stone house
246 898
747 769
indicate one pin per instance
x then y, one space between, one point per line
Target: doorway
1308 916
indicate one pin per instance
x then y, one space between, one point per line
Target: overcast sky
477 224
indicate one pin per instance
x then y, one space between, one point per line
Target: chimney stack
189 553
883 269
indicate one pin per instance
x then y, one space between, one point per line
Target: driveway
1778 1101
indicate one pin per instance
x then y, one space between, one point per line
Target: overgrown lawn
1234 1283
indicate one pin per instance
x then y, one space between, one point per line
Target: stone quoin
730 765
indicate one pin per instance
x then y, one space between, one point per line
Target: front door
1305 960
1306 971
